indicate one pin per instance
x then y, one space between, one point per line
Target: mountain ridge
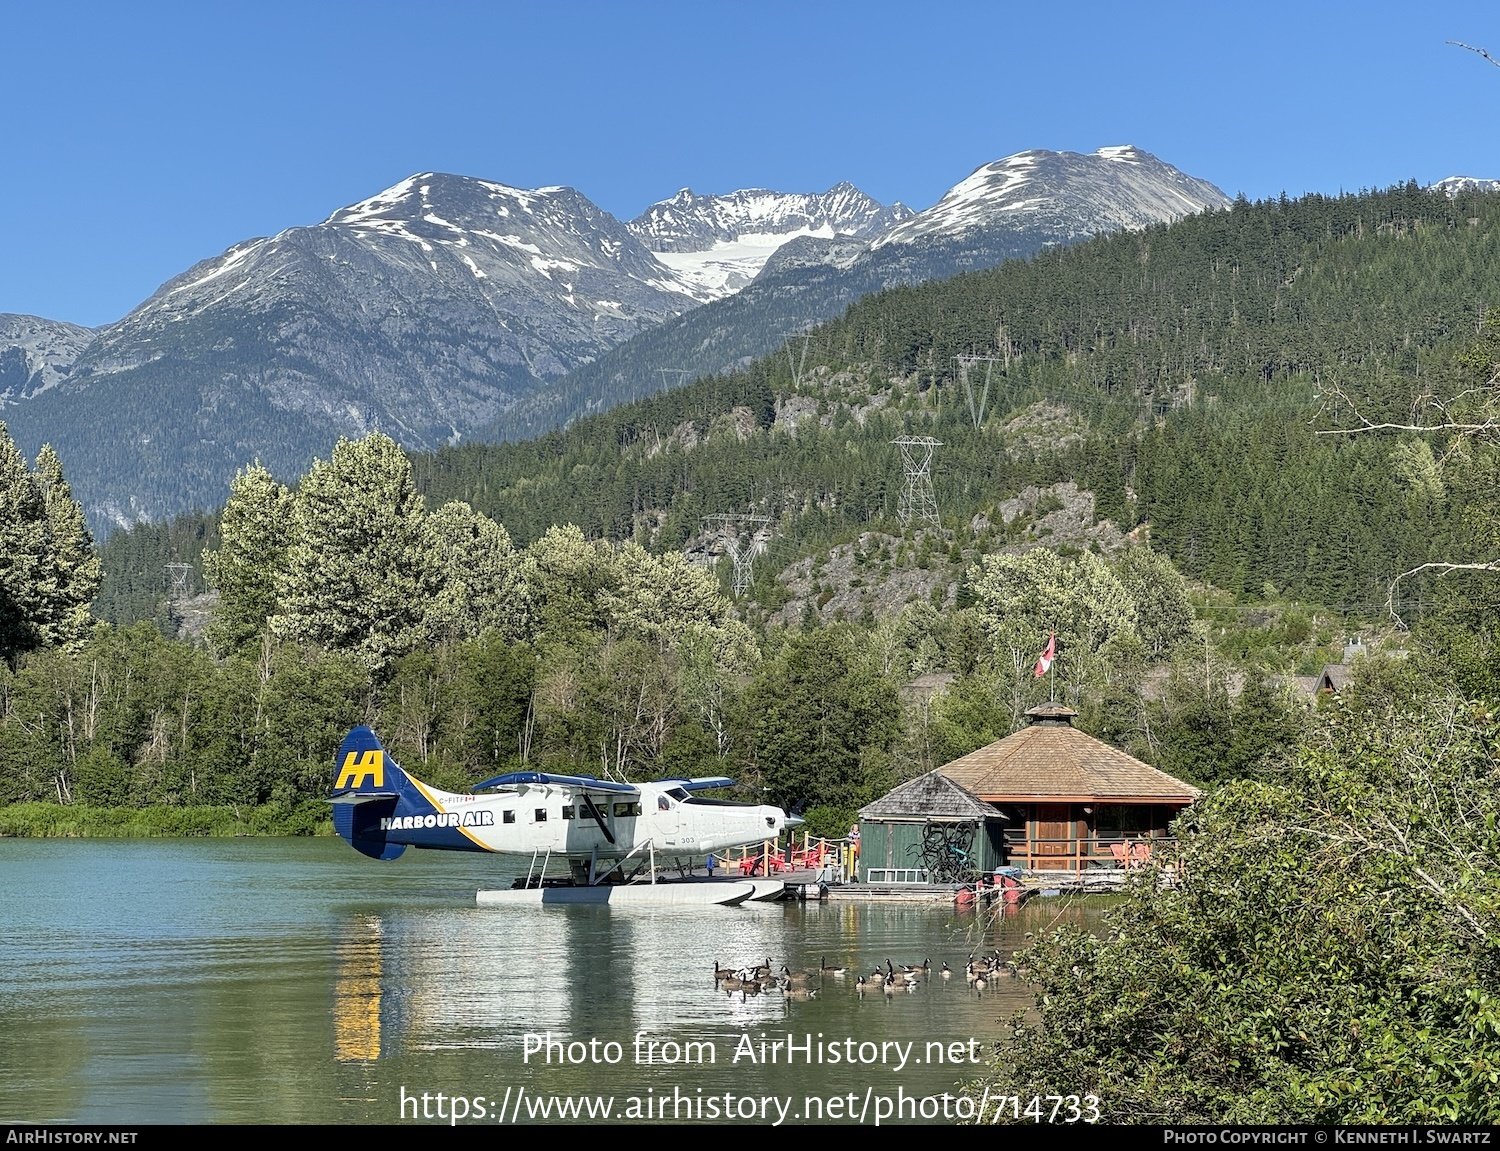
1008 209
447 307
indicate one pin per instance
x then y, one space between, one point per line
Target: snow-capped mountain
425 310
1453 185
434 301
720 243
1009 209
36 354
1070 194
441 307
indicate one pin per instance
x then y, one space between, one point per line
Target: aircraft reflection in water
381 810
571 971
357 992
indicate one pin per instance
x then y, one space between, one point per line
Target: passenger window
508 817
567 813
541 815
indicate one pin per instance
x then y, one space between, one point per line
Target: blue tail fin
366 789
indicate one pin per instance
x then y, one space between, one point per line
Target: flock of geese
754 979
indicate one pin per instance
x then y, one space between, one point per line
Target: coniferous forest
1185 376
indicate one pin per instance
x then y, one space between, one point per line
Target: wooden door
1052 829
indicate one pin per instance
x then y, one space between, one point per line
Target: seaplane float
598 826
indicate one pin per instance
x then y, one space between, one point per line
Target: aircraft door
667 823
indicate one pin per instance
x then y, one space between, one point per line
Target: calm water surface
292 980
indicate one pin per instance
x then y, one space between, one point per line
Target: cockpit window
679 794
663 803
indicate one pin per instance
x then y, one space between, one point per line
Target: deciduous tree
1326 952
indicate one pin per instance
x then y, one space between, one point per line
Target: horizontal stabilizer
533 778
360 796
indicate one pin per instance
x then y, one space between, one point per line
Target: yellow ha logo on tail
355 771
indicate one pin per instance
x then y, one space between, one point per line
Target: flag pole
1053 669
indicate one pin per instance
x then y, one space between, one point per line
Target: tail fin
367 788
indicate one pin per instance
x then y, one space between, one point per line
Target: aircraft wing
701 783
519 779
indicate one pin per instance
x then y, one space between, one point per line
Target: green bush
81 821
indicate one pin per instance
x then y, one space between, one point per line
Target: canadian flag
1044 665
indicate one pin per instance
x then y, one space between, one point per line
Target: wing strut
593 811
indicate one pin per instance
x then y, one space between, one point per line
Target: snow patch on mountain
719 244
1114 188
1453 185
37 354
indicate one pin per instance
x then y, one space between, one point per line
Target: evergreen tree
361 567
22 553
823 724
72 569
254 532
49 573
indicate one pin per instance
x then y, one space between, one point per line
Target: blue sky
136 139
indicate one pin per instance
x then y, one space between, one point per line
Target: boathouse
1069 801
929 830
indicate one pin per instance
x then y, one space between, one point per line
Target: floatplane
597 825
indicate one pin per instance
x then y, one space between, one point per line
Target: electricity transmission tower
731 529
918 501
797 365
681 374
180 576
976 411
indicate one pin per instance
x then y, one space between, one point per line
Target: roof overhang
1000 815
1165 800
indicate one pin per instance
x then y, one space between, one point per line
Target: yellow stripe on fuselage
432 799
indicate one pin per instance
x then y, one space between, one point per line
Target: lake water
293 980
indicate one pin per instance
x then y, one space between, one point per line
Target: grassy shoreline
80 821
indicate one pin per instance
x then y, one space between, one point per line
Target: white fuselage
551 818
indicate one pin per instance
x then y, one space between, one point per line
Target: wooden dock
894 892
810 885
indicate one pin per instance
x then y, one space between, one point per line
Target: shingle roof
930 684
1335 677
930 796
1052 760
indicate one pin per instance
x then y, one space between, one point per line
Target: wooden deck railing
1078 853
835 858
